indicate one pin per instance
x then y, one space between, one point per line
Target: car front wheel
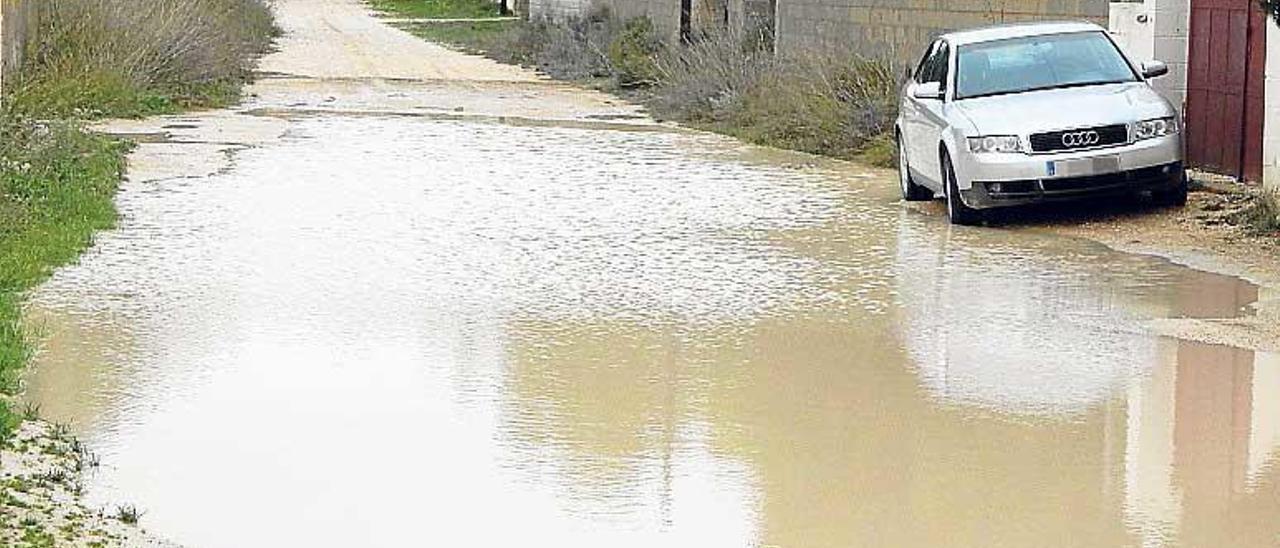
1174 197
957 212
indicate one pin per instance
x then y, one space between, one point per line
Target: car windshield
1039 62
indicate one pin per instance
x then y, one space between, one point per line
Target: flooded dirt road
385 304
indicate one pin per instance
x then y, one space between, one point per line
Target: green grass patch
470 36
56 188
438 9
99 94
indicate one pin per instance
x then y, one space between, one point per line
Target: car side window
934 67
942 65
925 68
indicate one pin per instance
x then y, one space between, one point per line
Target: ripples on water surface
389 331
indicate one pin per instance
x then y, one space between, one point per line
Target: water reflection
491 335
844 447
1013 324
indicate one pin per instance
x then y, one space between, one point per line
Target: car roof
1002 32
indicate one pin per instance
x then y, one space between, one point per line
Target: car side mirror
1154 69
928 90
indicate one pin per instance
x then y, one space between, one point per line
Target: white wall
1271 108
557 9
1172 19
1163 36
1131 25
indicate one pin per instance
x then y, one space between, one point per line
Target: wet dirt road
405 297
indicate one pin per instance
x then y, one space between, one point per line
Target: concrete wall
899 30
1172 19
17 17
1271 124
664 13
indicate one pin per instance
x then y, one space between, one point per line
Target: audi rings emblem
1080 139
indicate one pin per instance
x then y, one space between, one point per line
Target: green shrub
95 58
633 53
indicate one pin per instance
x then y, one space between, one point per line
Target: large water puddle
401 332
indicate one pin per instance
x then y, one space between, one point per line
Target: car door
932 119
915 113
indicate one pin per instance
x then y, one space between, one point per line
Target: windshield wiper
1046 88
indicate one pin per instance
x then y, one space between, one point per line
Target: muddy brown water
400 331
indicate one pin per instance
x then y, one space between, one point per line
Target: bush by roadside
824 102
96 58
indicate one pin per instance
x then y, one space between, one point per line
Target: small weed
53 477
880 151
128 514
61 432
1262 215
31 411
33 536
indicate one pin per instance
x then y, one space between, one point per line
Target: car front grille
1074 139
1031 188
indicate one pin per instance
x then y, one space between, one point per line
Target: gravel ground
40 495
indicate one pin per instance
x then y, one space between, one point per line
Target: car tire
1175 197
911 191
957 212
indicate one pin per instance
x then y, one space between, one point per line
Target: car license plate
1098 165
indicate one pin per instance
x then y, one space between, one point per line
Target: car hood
1048 110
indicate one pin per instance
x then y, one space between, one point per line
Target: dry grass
1262 214
130 57
825 102
832 103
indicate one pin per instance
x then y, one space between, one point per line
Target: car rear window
1031 63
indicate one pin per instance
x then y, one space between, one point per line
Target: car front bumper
1004 180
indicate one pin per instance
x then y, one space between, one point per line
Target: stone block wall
664 13
899 30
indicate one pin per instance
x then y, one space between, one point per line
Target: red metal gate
1225 87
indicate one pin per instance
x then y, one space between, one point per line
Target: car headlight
1159 127
995 143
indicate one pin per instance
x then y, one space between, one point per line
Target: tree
1272 7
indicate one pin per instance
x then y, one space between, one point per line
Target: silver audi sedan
1013 115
